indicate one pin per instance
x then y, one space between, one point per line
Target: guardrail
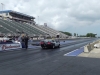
90 46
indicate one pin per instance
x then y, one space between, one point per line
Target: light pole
38 20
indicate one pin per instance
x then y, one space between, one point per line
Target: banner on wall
9 46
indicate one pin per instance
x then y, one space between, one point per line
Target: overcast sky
75 16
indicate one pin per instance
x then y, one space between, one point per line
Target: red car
50 43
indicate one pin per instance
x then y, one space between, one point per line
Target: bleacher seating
7 27
57 32
46 31
50 31
3 30
14 27
34 29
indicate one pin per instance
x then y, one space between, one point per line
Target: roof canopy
10 11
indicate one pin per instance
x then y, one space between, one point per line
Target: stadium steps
44 32
4 30
42 29
24 27
51 31
48 32
11 25
39 28
36 29
7 26
29 28
57 32
19 27
15 27
48 29
32 29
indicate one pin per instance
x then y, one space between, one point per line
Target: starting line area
75 52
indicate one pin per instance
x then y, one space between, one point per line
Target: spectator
26 41
23 41
0 40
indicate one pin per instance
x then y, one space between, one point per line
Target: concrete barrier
90 46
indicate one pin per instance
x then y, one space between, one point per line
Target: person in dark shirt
23 41
26 41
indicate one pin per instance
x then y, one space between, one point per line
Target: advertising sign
9 46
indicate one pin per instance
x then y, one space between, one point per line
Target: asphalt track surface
49 61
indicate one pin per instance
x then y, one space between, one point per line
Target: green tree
67 33
90 35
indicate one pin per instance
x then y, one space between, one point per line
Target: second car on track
50 43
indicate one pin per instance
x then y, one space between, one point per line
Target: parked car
50 43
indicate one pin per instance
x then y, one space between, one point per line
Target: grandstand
51 32
15 23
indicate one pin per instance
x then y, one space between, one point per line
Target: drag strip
41 62
35 53
14 52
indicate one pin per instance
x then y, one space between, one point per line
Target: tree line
75 34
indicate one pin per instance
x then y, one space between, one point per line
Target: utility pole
38 20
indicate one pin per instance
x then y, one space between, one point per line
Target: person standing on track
23 41
26 41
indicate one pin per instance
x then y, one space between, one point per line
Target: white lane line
70 52
73 51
